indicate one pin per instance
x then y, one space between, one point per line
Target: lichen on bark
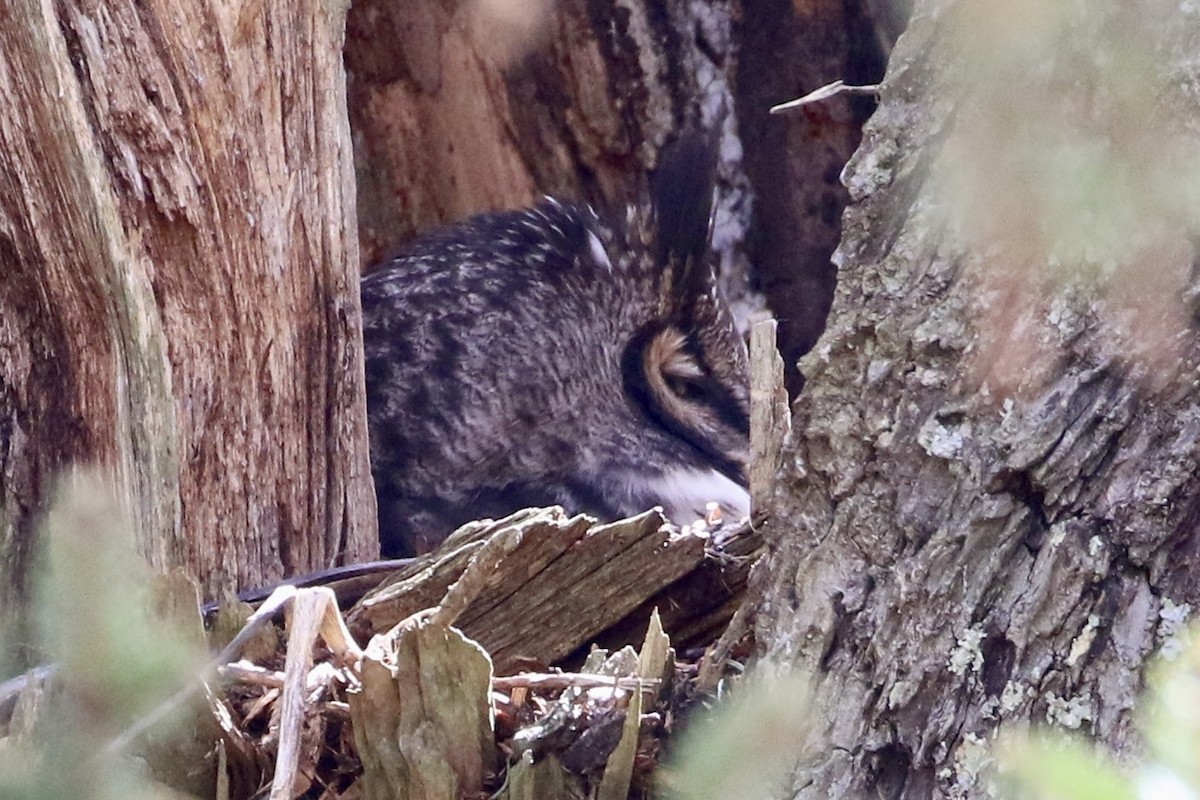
988 506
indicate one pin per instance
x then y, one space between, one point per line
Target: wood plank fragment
543 546
565 581
241 763
568 680
307 615
698 606
419 587
545 534
618 772
422 719
541 779
491 568
222 772
770 421
654 660
596 583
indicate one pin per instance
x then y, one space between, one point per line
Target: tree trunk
987 510
459 109
179 301
468 107
463 107
793 160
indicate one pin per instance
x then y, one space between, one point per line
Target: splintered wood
770 420
422 718
430 717
562 582
447 680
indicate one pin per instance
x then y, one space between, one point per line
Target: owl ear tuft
681 194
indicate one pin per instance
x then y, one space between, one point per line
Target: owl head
550 356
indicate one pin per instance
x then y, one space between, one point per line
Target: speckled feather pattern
496 365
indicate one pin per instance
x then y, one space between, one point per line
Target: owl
551 357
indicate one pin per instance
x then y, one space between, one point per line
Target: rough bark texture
951 558
456 112
458 109
178 300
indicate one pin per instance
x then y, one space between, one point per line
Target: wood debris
470 672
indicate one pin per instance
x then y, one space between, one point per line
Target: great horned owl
545 357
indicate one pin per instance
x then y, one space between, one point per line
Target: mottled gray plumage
545 357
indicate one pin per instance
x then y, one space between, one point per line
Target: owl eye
671 383
681 373
666 377
687 388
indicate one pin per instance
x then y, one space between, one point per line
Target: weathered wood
422 718
419 697
598 581
291 713
178 299
531 779
655 664
770 421
696 607
423 583
699 605
565 582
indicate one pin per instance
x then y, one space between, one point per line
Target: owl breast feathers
544 357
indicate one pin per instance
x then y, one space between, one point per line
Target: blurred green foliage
1059 768
1050 766
1072 146
116 659
747 747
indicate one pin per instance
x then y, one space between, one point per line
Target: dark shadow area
794 160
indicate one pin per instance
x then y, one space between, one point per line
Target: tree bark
179 301
987 511
464 107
